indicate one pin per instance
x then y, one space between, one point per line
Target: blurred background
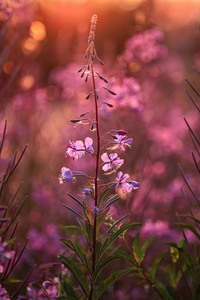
148 48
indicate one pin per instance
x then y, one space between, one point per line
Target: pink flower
122 182
111 161
121 141
125 184
77 149
88 145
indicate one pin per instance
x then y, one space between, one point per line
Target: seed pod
109 104
111 92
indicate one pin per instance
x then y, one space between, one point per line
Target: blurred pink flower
3 293
51 288
158 228
4 254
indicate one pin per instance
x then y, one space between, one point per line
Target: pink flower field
99 149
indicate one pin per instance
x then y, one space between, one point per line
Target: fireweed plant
96 252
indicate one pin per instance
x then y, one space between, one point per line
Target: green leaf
79 252
191 228
117 222
155 265
167 292
191 217
113 237
101 266
102 194
178 246
81 230
128 257
146 245
88 214
100 219
76 272
66 298
171 276
108 281
110 200
89 230
69 290
139 250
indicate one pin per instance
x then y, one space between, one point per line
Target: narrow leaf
76 272
110 280
113 237
191 228
155 265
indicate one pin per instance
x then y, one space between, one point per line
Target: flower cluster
145 47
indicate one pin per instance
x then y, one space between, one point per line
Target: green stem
96 179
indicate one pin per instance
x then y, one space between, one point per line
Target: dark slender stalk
16 164
96 177
23 283
3 137
188 185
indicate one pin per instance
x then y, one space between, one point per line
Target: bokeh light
38 31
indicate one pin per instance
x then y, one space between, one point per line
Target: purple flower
124 184
77 149
51 288
111 161
121 141
66 175
3 293
135 184
4 255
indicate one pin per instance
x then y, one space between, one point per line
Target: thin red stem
96 177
